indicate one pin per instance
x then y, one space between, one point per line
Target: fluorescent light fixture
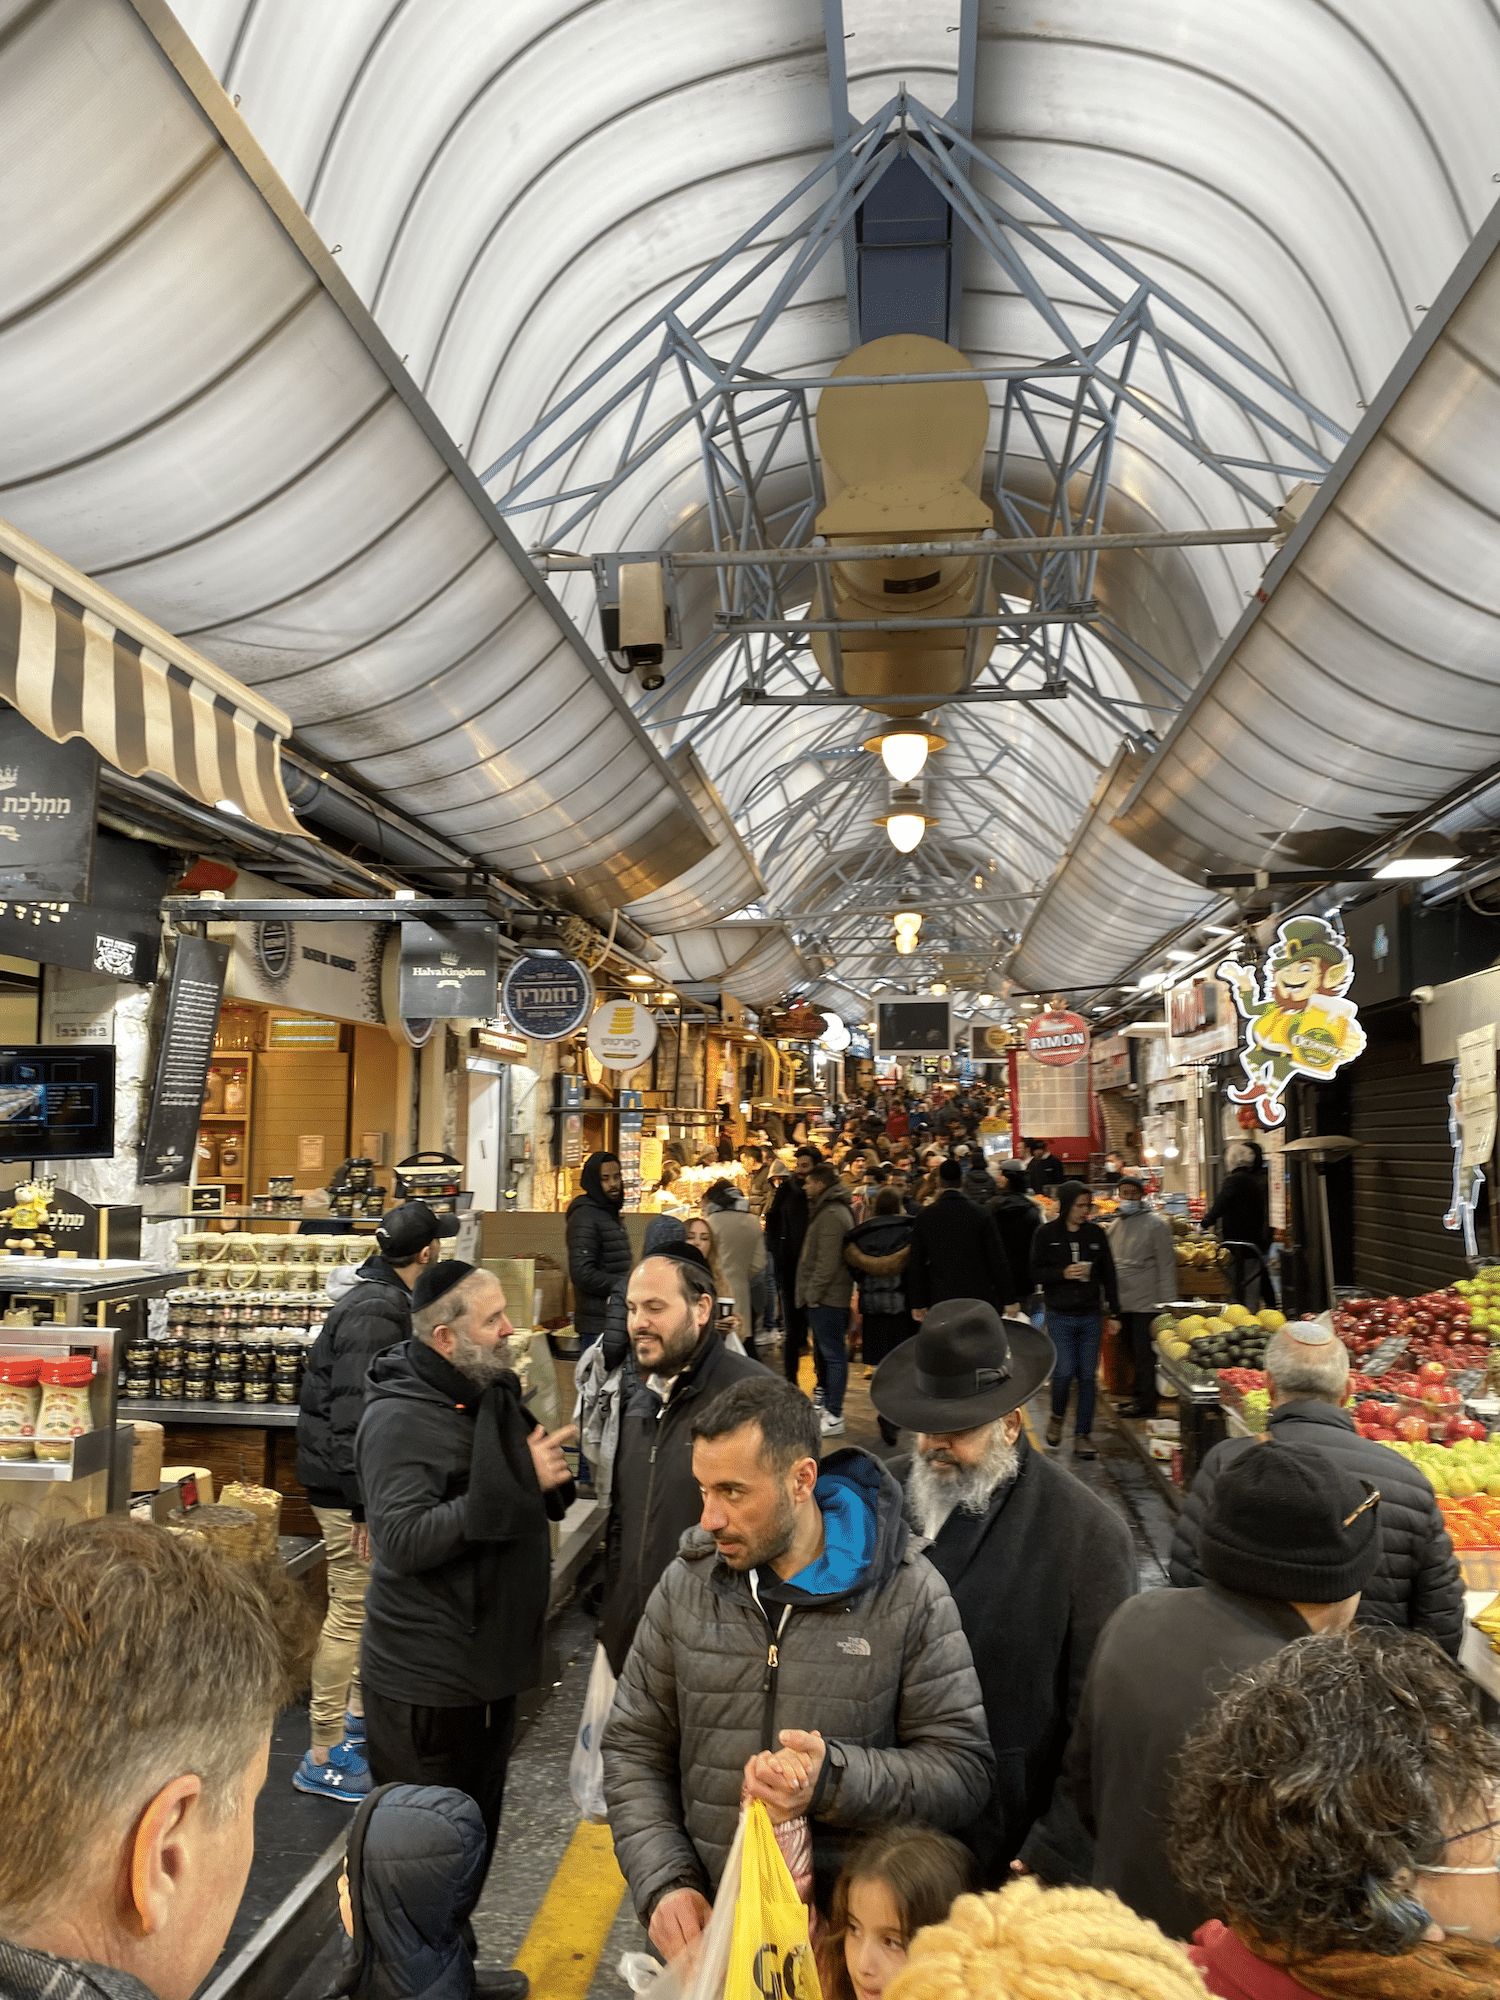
1426 854
638 979
229 806
1219 930
669 996
1180 957
406 895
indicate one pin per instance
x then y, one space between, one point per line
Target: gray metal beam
825 552
838 114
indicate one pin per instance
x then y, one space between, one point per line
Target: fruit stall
1211 1356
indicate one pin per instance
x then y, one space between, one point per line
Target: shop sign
183 1055
547 997
1057 1039
859 1043
301 1031
330 968
622 1034
1297 1021
1109 1063
991 1044
494 1038
449 971
49 804
1201 1020
1471 1128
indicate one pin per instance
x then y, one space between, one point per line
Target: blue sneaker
346 1775
354 1731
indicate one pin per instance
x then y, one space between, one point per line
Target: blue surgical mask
1131 1207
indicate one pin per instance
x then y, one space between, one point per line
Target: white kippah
1312 1332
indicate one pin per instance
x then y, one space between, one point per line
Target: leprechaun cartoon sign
1299 1023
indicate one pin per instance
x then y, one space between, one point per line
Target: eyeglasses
1483 1868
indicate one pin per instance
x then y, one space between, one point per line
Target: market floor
554 1903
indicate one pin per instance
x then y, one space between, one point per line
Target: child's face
875 1942
346 1909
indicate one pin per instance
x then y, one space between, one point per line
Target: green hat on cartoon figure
1309 937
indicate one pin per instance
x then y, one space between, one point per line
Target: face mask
1131 1207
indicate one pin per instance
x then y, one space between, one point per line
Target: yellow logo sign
622 1020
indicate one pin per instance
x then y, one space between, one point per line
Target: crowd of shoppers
997 1765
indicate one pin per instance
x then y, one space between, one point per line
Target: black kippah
437 1279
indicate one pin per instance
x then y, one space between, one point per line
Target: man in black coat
1043 1168
459 1487
786 1231
1287 1547
1417 1582
371 1315
1036 1563
1242 1212
598 1246
956 1251
1018 1219
680 1365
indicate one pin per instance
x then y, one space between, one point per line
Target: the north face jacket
870 1652
1418 1583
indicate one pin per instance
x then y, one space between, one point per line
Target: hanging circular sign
547 998
622 1034
994 1041
1057 1039
835 1037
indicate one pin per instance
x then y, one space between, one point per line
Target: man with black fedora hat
1289 1541
1037 1564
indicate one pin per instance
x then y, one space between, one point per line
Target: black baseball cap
406 1231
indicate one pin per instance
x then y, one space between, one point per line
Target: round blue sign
547 998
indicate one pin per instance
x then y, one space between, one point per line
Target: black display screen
57 1104
913 1027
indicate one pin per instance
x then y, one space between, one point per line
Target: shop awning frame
76 661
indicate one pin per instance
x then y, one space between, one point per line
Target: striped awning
77 662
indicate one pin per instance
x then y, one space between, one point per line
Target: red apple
1412 1429
1383 1434
1432 1371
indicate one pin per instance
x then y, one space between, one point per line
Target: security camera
645 664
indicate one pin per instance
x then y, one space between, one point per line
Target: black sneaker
501 1986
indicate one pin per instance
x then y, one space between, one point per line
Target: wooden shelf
222 1117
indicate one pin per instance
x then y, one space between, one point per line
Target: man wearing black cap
1287 1545
372 1315
956 1251
1036 1563
460 1485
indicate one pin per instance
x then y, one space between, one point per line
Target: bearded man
681 1364
459 1487
1036 1564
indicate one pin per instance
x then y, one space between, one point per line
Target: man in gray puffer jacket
801 1619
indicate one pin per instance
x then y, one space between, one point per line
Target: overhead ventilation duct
903 462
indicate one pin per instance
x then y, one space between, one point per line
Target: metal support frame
1125 353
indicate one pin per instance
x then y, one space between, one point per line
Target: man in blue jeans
825 1285
1072 1262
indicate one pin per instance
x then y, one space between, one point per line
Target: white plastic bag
586 1767
700 1974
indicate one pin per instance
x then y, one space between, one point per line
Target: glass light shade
905 831
906 943
903 754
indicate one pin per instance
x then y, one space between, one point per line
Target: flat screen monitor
913 1028
57 1104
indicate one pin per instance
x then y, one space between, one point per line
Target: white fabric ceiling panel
1366 686
756 966
233 447
1105 901
721 883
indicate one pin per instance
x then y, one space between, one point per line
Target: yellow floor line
568 1932
1030 1427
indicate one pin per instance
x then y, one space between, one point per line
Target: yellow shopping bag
769 1955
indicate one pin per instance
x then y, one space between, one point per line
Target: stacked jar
20 1400
66 1411
139 1384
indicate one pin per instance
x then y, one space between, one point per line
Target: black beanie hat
1292 1525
